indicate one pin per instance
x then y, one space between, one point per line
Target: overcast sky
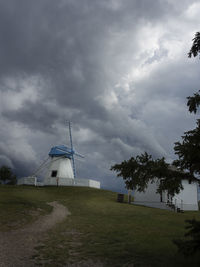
118 69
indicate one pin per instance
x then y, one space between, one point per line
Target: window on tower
54 173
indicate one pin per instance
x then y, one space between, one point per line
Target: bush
7 176
191 245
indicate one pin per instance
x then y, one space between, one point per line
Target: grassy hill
99 228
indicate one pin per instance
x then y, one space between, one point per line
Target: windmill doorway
54 173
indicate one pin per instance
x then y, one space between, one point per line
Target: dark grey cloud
37 116
117 69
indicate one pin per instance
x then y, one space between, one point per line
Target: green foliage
139 171
190 245
6 175
188 152
135 171
193 102
195 49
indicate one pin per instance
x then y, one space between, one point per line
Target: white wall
60 181
81 182
72 182
187 198
149 195
54 181
93 183
30 180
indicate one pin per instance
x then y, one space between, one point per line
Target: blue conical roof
60 151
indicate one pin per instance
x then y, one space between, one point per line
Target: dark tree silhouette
194 101
188 152
6 175
195 49
191 244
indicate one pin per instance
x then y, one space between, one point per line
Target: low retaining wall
31 180
59 182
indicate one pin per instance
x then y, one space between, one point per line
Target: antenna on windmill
72 150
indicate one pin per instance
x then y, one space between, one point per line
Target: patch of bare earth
17 246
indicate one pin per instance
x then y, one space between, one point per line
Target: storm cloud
117 69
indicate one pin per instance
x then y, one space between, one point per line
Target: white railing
178 203
175 203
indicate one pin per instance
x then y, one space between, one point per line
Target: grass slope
98 228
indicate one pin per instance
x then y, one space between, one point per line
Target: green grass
99 228
20 206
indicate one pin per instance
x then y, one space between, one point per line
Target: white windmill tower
62 165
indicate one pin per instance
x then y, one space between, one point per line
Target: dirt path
17 246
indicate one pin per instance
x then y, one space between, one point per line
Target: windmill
59 168
62 162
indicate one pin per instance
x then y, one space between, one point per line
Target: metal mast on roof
71 143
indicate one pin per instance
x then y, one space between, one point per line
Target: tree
188 152
6 175
194 101
195 49
192 242
135 171
139 171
